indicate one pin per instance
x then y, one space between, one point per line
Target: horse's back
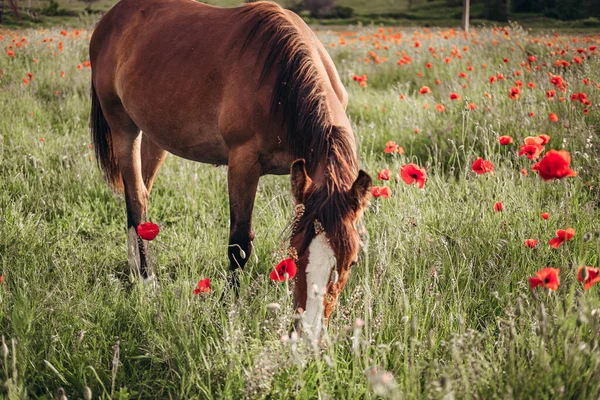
188 74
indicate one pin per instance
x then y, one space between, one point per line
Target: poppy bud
584 274
87 393
581 319
4 348
414 326
520 311
273 307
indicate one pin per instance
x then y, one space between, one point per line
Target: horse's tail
102 139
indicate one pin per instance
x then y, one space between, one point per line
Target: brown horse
249 87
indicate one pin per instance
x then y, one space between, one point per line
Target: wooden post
465 15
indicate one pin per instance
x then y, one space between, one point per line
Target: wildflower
588 276
553 117
454 96
531 243
546 277
498 207
545 215
562 236
283 271
412 173
514 93
532 148
381 191
524 172
11 53
440 108
554 165
481 166
203 286
390 147
425 90
544 139
384 175
471 106
148 230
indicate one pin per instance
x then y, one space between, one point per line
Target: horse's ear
361 190
299 179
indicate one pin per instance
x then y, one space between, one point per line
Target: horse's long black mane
298 99
299 102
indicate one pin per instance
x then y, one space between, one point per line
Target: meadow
440 304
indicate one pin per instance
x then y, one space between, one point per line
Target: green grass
442 287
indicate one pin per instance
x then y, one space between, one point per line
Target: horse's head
325 242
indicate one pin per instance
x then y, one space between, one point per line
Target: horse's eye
353 263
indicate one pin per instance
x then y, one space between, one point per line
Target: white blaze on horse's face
321 260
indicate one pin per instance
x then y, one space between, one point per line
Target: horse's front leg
243 174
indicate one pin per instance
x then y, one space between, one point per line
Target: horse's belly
199 147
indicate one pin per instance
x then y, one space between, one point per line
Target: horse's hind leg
152 158
127 142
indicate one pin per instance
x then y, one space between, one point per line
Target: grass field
443 286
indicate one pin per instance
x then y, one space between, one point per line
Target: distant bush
343 12
320 8
52 10
592 22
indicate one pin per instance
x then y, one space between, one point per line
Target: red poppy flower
1 279
532 151
390 147
524 172
545 215
498 206
471 106
504 140
546 277
440 108
412 173
148 230
203 286
384 175
454 96
554 165
553 117
481 166
531 243
283 271
562 236
544 138
550 94
514 93
588 276
425 90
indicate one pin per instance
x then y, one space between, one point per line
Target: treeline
501 10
